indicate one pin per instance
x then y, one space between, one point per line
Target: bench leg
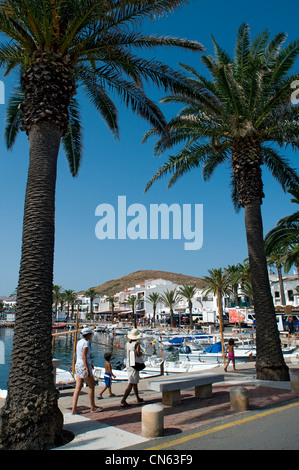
203 391
171 398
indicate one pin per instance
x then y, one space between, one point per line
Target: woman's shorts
231 355
81 371
133 375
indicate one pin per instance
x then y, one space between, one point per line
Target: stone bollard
152 421
294 380
239 399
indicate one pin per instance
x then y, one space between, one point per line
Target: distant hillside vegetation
130 280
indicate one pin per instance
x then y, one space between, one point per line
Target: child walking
230 353
107 376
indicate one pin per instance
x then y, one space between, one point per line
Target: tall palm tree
56 292
154 299
218 283
245 279
237 117
169 299
91 293
277 259
58 46
235 275
70 298
188 292
132 300
111 301
284 237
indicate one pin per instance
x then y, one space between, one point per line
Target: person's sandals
97 410
125 405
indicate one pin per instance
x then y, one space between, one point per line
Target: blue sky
112 168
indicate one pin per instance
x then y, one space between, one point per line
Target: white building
144 307
290 282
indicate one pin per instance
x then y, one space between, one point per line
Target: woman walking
134 356
84 371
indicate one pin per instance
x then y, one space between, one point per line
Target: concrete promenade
117 428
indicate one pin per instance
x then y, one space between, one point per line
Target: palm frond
72 140
13 117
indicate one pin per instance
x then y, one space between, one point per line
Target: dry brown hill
130 280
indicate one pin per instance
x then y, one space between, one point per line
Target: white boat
122 375
156 367
3 393
100 329
121 331
64 378
177 367
179 340
213 354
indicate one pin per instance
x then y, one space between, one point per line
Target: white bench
171 386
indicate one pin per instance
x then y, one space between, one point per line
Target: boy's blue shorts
107 379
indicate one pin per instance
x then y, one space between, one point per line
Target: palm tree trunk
171 318
31 418
270 363
190 310
219 302
281 286
154 315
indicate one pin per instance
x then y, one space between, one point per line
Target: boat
100 329
3 393
58 326
196 338
155 367
122 374
64 378
121 331
177 367
213 353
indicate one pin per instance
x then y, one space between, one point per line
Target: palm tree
154 299
58 46
169 299
111 301
245 279
91 293
238 116
235 275
56 292
218 283
188 291
70 298
277 259
284 237
132 302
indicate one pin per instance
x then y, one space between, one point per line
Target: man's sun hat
134 334
86 331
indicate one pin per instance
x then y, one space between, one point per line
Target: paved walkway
117 428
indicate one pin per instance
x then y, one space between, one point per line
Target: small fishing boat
58 326
213 354
196 338
121 331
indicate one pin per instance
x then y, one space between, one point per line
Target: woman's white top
83 343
